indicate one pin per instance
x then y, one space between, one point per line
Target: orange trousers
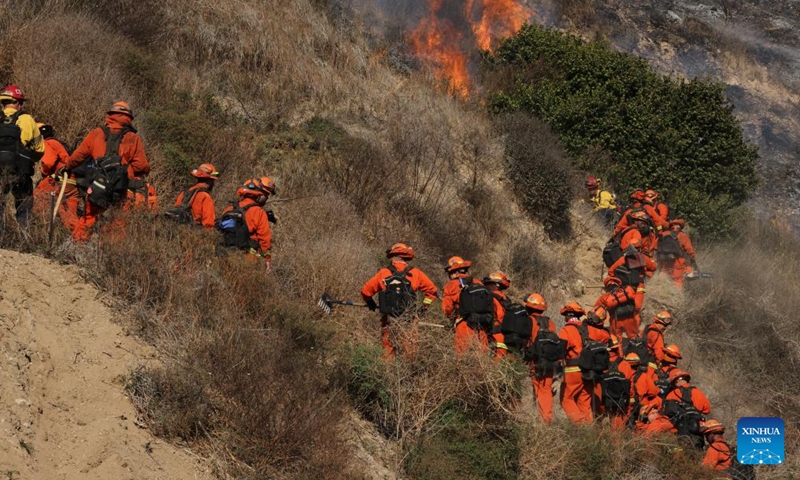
116 228
676 269
629 326
543 391
575 396
467 338
67 211
394 338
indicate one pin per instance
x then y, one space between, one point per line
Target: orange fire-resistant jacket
257 225
718 456
202 206
659 222
55 156
419 281
572 335
130 149
655 341
699 399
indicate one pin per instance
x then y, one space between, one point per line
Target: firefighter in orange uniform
620 302
201 202
681 389
396 300
496 283
542 369
131 151
253 195
54 158
675 250
576 393
718 454
467 334
654 335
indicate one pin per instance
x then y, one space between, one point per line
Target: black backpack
233 227
613 251
110 176
517 327
626 308
183 212
639 347
616 389
739 471
629 276
683 415
398 296
668 247
475 306
662 381
15 159
593 359
547 349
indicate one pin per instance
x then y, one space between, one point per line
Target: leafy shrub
540 174
678 137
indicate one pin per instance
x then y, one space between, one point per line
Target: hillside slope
63 411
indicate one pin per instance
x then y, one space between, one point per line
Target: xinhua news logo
759 440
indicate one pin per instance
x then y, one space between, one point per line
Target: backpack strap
622 233
12 120
113 140
543 323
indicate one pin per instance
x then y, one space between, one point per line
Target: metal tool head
325 303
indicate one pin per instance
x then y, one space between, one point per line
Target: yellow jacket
29 133
603 200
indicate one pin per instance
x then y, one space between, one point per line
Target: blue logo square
759 441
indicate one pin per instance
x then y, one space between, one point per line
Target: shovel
326 303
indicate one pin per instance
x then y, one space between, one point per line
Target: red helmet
205 170
711 426
572 309
457 263
534 301
255 187
498 278
12 92
400 250
121 107
592 183
677 373
612 281
651 195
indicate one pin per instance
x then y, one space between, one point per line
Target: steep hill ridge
64 412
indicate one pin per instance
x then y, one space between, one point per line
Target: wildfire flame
446 49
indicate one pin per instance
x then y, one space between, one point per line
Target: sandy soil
63 410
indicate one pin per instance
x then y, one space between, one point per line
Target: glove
61 171
271 217
372 305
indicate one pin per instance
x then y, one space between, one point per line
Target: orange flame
437 43
498 19
440 45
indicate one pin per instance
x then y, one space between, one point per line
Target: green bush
678 137
466 448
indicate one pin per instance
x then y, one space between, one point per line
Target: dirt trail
63 411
